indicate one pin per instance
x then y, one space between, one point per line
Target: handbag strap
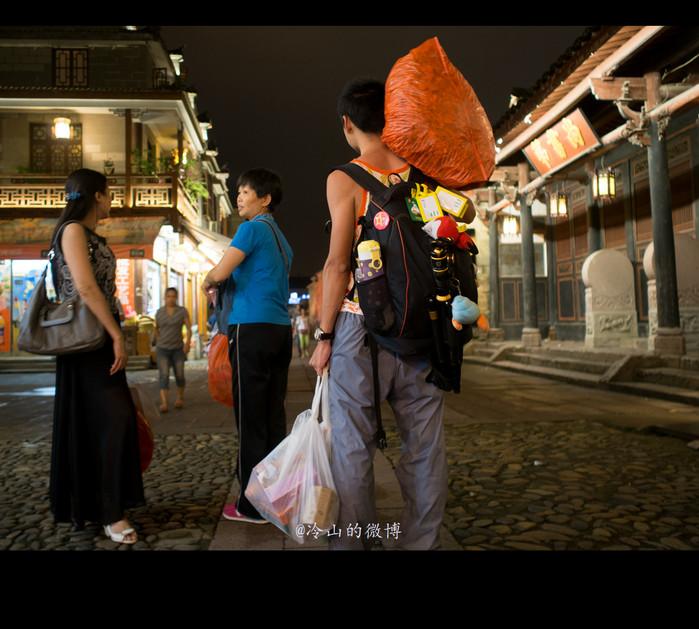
279 244
56 251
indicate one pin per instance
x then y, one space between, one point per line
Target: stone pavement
533 464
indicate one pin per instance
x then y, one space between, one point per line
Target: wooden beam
620 88
128 131
180 145
119 212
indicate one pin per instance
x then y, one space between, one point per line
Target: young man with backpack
367 367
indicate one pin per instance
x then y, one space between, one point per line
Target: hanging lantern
61 128
510 226
558 204
604 184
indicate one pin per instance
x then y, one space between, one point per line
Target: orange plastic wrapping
435 121
220 372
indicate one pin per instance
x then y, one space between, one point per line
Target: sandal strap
118 536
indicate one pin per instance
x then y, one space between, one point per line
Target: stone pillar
495 332
531 337
668 338
610 309
687 251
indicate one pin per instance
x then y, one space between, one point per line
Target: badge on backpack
381 220
413 209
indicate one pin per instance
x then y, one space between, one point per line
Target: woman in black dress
95 467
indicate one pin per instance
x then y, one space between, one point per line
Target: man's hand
321 356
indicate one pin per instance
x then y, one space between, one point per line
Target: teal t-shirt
262 281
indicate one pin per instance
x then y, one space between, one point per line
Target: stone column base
669 341
531 337
496 334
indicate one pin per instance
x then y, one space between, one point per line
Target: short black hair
363 101
173 289
263 182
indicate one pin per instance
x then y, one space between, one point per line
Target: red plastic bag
146 440
220 372
435 121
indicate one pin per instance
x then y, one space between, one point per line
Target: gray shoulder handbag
63 326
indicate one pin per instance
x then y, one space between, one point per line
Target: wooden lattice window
682 190
52 156
70 67
642 211
614 219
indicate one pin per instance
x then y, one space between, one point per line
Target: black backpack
408 310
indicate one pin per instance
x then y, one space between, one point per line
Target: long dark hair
81 186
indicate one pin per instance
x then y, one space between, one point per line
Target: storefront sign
562 144
124 285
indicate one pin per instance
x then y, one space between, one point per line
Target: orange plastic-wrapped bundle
220 372
435 121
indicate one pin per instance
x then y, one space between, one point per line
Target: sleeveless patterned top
103 265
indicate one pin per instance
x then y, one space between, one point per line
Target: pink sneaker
230 512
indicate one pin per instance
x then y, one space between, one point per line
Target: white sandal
119 538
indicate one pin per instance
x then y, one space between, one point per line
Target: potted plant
142 165
195 189
108 167
193 181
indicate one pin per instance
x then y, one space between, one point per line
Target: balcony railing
47 191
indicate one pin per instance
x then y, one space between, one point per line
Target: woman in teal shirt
259 328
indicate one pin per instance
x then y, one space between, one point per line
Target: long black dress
95 466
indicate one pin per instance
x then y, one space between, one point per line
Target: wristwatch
321 335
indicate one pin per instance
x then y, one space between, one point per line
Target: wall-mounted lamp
510 226
61 128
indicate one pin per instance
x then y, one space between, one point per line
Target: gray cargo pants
418 408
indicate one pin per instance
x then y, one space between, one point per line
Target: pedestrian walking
259 330
302 326
171 350
95 463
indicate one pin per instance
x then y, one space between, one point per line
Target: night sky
271 94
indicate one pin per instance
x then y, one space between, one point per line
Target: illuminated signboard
562 144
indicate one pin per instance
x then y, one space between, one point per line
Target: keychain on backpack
428 203
413 207
451 202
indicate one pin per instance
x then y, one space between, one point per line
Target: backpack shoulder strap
362 178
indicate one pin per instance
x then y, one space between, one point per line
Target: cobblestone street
533 465
572 486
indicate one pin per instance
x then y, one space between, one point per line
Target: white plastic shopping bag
292 487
